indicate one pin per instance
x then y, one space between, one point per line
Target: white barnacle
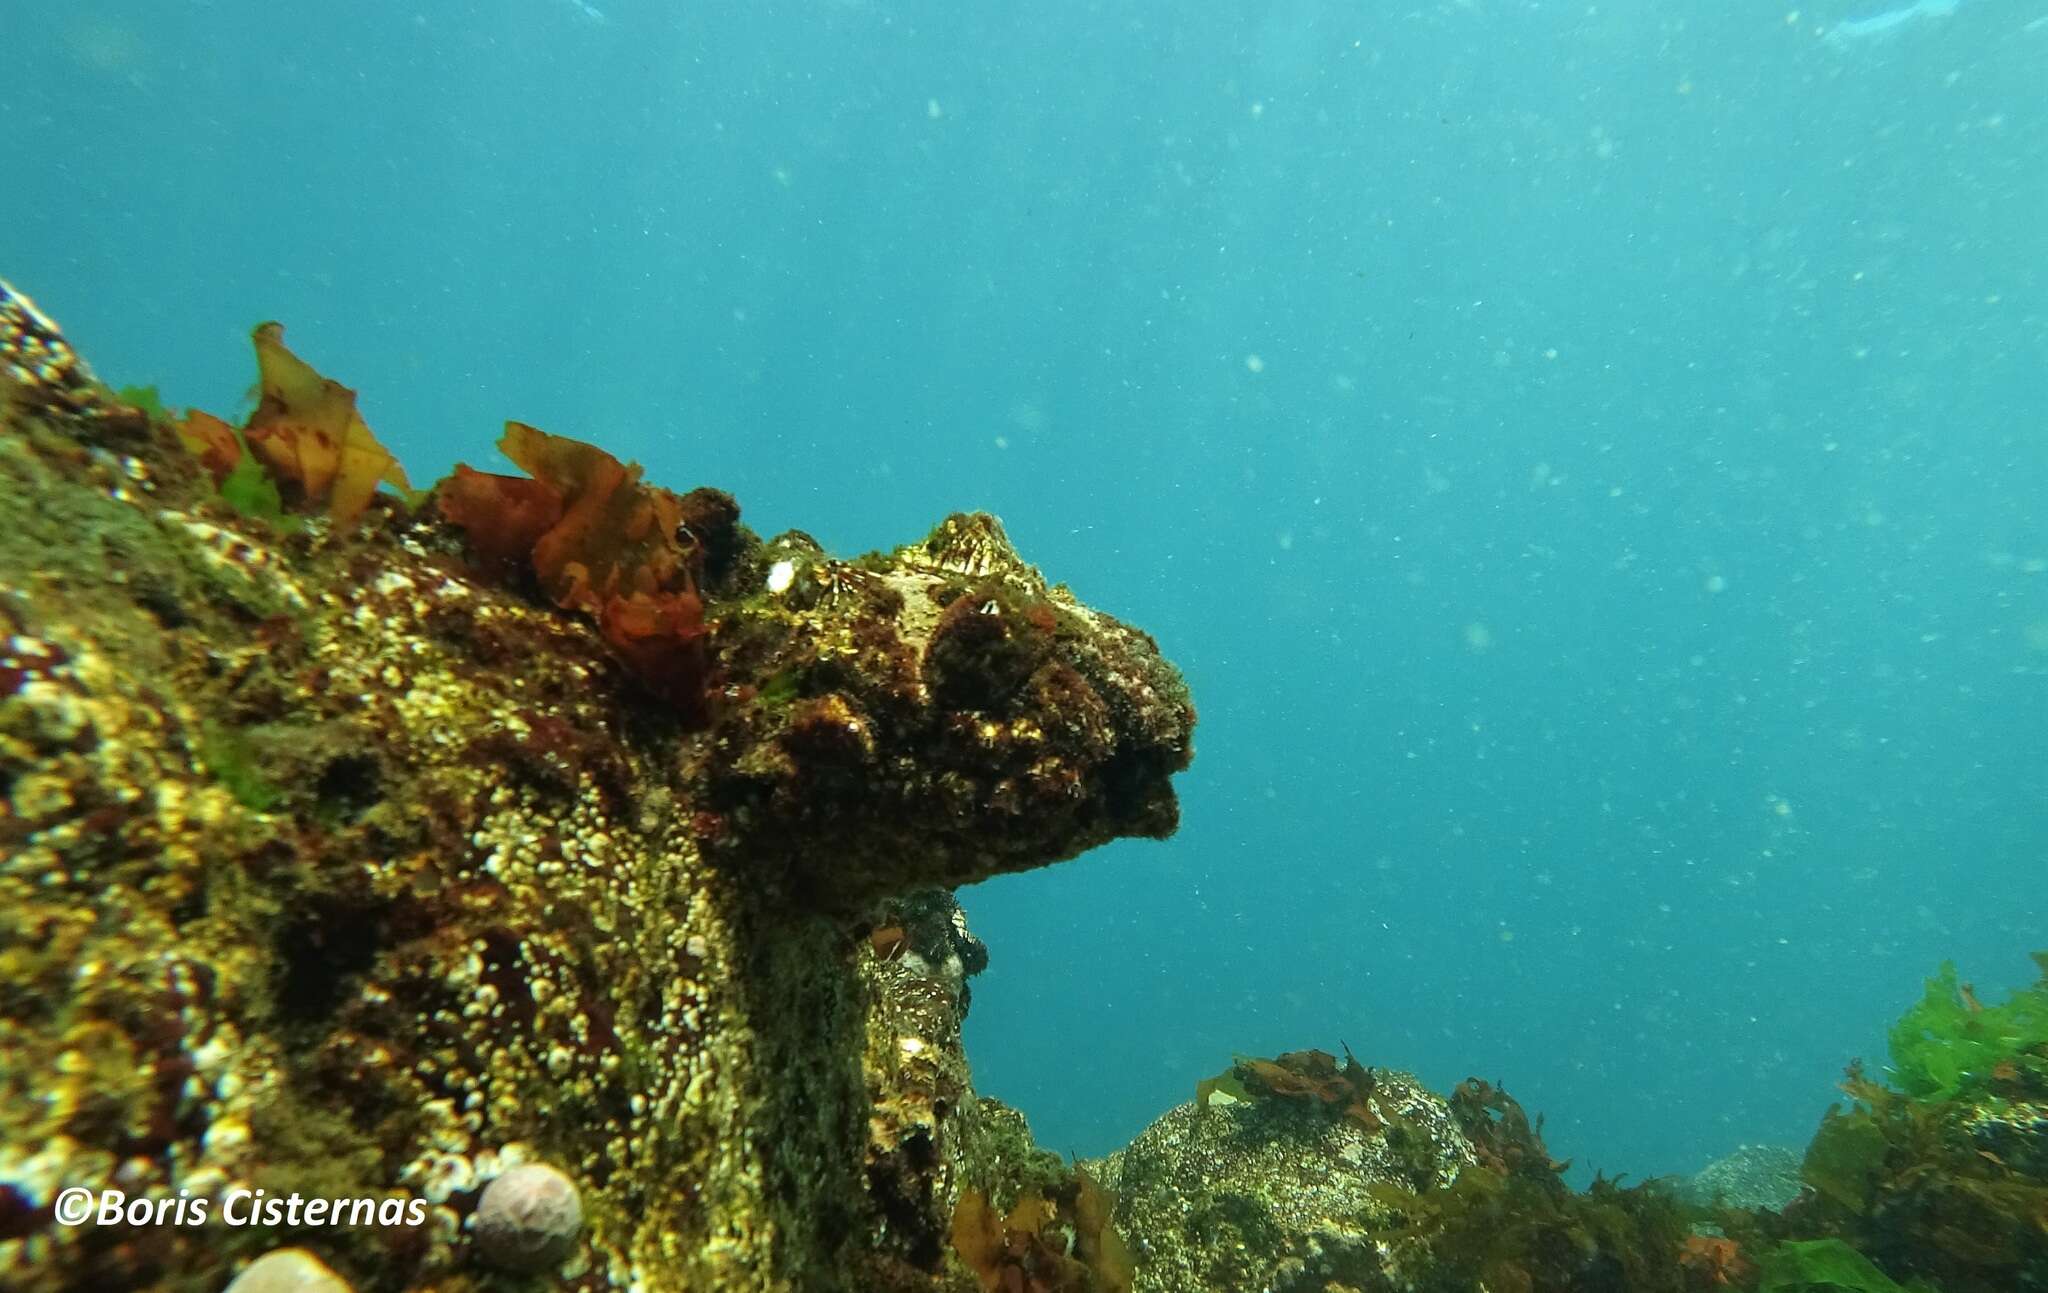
780 576
225 1137
37 1176
442 1175
213 1054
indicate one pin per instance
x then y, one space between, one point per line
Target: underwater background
1587 461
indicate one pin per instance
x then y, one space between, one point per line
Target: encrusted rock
1264 1194
38 364
2013 1132
336 862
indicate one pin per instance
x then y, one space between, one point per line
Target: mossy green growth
225 753
781 688
1950 1039
145 398
250 491
1827 1266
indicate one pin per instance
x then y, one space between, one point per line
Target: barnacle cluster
37 366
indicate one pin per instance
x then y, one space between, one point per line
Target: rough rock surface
1265 1194
1754 1176
331 866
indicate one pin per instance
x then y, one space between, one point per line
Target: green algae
249 489
1948 1039
252 493
1827 1266
781 688
146 399
225 752
1933 1187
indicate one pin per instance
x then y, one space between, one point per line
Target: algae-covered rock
1297 1175
1023 1219
1272 1193
342 861
1947 1189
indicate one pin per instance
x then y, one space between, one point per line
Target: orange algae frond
980 1237
600 542
307 432
503 516
1310 1077
1064 1243
617 537
660 637
1096 1240
1715 1261
210 440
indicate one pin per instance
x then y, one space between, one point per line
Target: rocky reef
541 882
1257 1190
1936 1177
361 844
1299 1174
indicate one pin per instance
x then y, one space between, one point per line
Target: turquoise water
1587 463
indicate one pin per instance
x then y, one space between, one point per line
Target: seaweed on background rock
1939 1185
1938 1181
1300 1175
1949 1039
1310 1076
1510 1222
1061 1240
